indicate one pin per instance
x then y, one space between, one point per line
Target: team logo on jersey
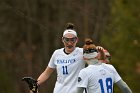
63 61
102 71
79 79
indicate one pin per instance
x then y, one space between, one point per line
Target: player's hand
99 48
101 54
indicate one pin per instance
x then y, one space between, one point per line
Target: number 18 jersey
98 78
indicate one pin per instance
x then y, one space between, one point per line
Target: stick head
32 83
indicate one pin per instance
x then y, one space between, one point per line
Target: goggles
90 51
72 40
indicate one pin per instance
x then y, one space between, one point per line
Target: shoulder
86 70
109 67
83 71
79 49
58 51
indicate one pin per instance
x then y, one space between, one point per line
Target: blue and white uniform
98 78
68 67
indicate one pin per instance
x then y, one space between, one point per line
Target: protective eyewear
90 51
73 40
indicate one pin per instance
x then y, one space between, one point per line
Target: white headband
90 55
69 31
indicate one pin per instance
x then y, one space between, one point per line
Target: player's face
70 42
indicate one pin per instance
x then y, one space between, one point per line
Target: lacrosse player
67 61
98 77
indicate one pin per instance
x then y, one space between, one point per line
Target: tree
122 39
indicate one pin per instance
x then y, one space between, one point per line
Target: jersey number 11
65 70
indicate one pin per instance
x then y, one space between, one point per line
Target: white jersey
68 67
98 78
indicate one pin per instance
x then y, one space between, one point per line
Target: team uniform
98 78
68 67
